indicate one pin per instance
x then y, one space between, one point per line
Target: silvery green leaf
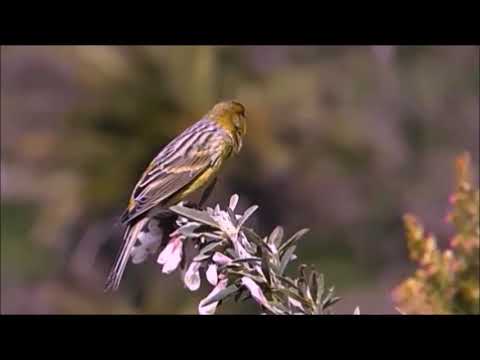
193 214
328 297
276 311
314 286
233 218
246 215
189 229
233 202
210 247
255 278
249 246
288 281
280 307
296 296
265 268
331 301
295 237
211 235
229 266
276 236
301 270
286 259
251 235
222 295
320 288
201 257
252 259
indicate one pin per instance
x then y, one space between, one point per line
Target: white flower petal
255 291
210 309
212 274
171 256
192 276
220 258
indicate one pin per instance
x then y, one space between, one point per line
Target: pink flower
192 276
210 308
212 276
221 259
171 256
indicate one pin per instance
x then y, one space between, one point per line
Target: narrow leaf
314 285
189 228
276 236
288 281
295 296
331 301
194 214
327 301
295 237
320 289
233 219
221 295
210 247
252 259
251 235
265 267
286 259
256 278
246 215
201 257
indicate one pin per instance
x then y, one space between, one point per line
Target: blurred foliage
446 282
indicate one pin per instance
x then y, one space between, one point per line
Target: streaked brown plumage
188 163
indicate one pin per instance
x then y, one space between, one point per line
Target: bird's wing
171 171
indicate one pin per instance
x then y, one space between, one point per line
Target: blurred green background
341 139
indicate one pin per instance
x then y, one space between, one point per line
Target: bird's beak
238 143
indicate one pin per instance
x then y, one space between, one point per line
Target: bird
189 163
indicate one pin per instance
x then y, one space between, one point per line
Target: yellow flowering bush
445 282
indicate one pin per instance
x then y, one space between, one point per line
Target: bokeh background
341 139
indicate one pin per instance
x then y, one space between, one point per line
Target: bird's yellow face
231 116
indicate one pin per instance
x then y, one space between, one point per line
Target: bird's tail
131 234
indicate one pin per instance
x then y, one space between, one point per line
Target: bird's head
231 116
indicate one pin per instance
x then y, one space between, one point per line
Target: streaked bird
190 162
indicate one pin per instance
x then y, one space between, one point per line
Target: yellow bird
188 163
